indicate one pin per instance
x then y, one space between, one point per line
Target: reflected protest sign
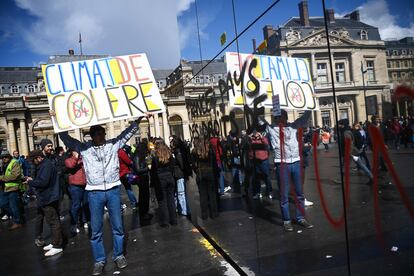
276 106
89 92
257 75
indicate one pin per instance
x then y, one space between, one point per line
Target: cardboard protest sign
97 91
257 75
276 105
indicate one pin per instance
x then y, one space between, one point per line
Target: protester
233 145
77 184
46 185
141 160
325 136
259 156
162 169
361 143
127 177
218 151
101 163
179 168
205 167
11 200
284 142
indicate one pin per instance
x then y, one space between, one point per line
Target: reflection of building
24 110
352 42
400 64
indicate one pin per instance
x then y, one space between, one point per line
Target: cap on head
45 142
35 153
5 153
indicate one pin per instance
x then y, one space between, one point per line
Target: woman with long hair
162 177
205 167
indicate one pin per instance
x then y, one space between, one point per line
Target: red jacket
125 163
76 171
259 149
218 150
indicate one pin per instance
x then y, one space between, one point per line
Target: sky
166 30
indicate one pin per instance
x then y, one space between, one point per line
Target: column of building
24 143
12 136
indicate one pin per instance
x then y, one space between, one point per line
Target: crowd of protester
91 174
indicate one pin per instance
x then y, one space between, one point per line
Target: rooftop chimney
71 52
330 14
354 15
268 31
304 13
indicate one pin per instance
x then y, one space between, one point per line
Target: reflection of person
283 138
126 176
205 167
259 156
101 163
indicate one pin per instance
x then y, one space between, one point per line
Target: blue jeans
112 200
128 188
286 173
79 203
262 170
11 203
181 196
237 176
221 177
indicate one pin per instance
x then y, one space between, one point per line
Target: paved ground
250 233
150 250
250 230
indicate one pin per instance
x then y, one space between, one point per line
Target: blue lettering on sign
97 72
74 76
109 69
306 70
62 80
285 67
272 68
84 65
47 80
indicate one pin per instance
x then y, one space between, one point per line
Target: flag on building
223 38
262 47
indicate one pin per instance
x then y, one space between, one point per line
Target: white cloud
376 13
107 27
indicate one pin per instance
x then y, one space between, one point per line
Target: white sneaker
270 197
53 251
123 206
226 189
5 217
308 203
85 226
48 247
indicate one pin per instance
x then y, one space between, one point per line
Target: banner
97 91
258 75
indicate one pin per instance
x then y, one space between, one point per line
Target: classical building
24 109
354 44
400 64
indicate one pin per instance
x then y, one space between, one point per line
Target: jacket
259 149
12 177
101 163
179 164
76 171
290 149
125 163
46 183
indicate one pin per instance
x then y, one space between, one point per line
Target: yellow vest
16 183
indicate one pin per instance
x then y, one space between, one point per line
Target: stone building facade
400 65
354 44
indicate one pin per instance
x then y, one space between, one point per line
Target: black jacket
179 165
46 183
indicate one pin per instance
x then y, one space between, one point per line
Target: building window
395 53
14 89
364 35
206 79
387 53
197 79
405 63
410 52
31 88
403 52
397 64
326 118
388 64
212 79
340 72
394 75
322 73
370 70
343 114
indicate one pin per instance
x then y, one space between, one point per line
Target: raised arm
70 142
303 120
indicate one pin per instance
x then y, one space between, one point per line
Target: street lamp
365 92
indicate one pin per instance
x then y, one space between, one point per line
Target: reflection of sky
215 17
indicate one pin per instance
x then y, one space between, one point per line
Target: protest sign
97 91
255 75
276 106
